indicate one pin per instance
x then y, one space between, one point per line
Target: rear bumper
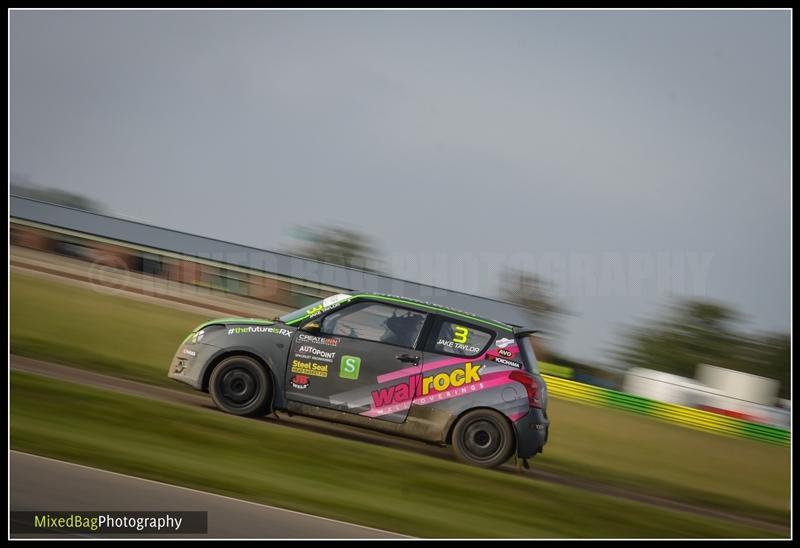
531 431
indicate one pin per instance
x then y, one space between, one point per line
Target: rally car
383 362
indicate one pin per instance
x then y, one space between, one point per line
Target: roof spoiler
521 331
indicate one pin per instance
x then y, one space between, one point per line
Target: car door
454 362
344 366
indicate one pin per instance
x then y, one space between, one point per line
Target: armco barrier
677 414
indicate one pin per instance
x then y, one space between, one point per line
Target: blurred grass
667 460
112 334
134 339
323 475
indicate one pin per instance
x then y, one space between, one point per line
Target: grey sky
580 138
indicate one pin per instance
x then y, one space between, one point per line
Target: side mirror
311 327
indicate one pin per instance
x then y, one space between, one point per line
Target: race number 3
460 334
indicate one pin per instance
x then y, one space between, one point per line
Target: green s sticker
349 367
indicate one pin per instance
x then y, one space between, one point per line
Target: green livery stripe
670 412
243 321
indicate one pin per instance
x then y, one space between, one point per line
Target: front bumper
532 431
188 363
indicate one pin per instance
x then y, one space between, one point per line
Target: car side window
376 322
456 339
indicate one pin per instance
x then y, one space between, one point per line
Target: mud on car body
386 363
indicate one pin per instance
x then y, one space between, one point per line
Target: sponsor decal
325 341
300 382
502 343
465 348
310 368
505 353
327 304
421 386
503 361
395 404
349 367
191 353
260 329
335 299
306 351
317 310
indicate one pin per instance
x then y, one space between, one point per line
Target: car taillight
531 387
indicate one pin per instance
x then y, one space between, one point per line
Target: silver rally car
381 362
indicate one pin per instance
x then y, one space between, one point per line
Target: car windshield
317 306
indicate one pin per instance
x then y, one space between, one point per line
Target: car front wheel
241 386
483 438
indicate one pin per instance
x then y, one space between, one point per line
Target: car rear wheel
483 438
241 386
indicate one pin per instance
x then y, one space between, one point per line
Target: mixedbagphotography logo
133 523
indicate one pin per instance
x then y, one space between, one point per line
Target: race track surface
39 483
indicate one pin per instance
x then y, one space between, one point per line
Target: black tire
241 386
483 438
